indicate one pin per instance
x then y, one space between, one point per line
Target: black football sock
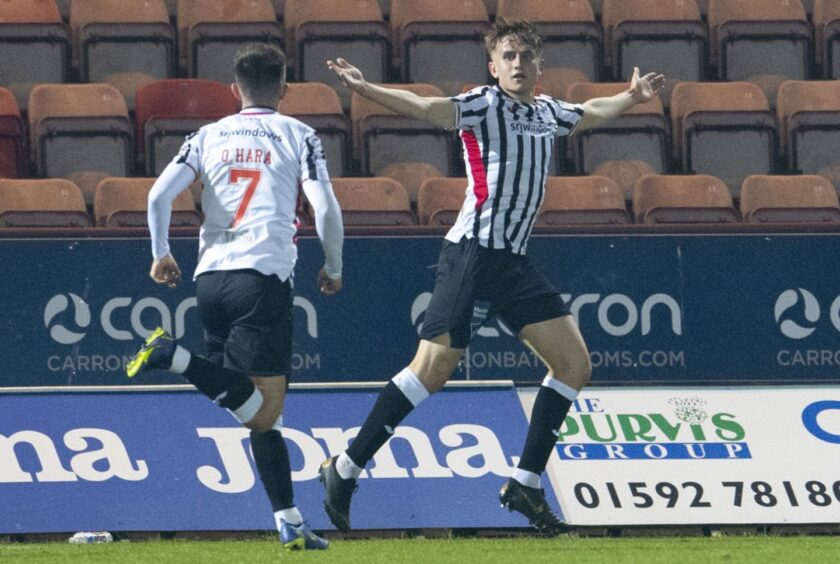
228 388
550 409
391 407
272 459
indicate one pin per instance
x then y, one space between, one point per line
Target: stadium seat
571 36
640 134
761 41
556 81
318 106
666 36
168 110
35 44
724 129
826 18
13 157
318 30
76 129
440 42
373 201
381 137
125 43
801 198
682 199
411 175
809 124
53 202
123 202
210 33
625 173
576 200
440 199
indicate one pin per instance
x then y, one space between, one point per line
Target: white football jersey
252 165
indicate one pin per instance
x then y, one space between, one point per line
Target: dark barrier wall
665 309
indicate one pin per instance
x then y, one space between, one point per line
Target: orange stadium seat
381 137
168 110
826 18
682 199
809 124
724 129
440 199
318 106
762 41
640 134
440 42
77 129
666 36
556 81
211 31
575 200
373 201
411 175
123 202
123 42
801 198
571 36
53 202
625 173
318 30
35 44
13 158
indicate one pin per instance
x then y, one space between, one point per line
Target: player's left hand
647 87
328 285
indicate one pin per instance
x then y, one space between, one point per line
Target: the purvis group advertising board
172 461
676 456
685 309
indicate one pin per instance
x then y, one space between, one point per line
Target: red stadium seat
168 110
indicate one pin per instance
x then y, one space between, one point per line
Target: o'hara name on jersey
246 155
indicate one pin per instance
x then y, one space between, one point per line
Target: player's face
516 66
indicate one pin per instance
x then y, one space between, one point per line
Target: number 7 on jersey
253 178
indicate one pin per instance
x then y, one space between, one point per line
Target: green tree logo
689 410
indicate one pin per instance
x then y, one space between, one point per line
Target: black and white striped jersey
507 147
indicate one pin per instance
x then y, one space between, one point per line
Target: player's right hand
166 271
349 75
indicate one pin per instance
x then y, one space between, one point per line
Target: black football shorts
247 318
469 274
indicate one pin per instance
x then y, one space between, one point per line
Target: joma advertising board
172 461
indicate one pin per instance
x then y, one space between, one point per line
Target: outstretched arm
597 111
439 111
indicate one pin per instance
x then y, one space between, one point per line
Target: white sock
180 360
411 386
248 410
526 478
347 469
564 390
291 516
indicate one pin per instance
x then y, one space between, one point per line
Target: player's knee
577 372
268 417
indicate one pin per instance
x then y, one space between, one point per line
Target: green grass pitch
524 550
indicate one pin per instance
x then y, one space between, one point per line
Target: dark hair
521 30
260 70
